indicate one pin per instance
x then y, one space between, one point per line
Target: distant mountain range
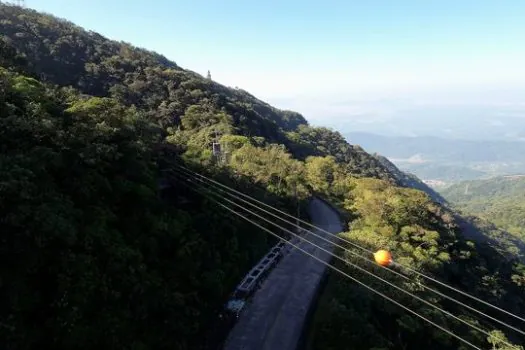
480 123
451 160
443 149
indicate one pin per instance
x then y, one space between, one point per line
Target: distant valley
443 161
451 122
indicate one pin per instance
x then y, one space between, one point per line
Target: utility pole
225 152
298 208
216 148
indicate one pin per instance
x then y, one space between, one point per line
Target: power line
357 266
361 248
339 271
368 260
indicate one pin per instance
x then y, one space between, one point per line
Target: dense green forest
91 257
64 54
424 236
94 256
499 200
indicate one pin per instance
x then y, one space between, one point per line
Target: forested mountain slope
61 53
409 180
94 256
90 256
500 200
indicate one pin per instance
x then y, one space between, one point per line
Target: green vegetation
409 180
91 257
498 200
424 236
164 92
94 256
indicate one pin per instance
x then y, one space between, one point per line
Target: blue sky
312 54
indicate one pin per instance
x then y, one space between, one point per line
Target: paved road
274 319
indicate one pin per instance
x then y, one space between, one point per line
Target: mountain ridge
128 75
87 225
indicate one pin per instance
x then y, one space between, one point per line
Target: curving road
276 314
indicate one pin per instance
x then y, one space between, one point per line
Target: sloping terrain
96 257
410 180
62 53
499 200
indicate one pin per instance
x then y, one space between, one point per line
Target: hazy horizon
336 62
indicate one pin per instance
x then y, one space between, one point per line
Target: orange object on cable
383 257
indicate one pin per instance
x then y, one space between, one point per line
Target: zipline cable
339 271
368 260
357 246
356 266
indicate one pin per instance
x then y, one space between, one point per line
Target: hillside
61 53
95 256
409 180
90 255
446 172
499 200
70 56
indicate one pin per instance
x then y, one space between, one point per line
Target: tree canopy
499 200
94 255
